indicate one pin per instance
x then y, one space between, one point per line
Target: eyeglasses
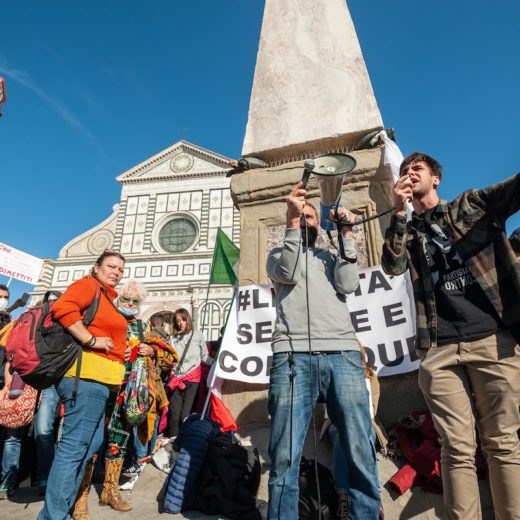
126 299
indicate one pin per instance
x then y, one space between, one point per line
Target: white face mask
3 304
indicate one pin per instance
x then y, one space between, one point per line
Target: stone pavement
414 505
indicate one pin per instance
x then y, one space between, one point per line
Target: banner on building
382 312
19 265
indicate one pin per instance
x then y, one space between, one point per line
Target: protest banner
19 265
382 312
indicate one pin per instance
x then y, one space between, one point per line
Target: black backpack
308 505
228 480
40 349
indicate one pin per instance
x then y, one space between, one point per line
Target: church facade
165 225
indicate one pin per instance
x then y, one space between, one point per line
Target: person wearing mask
186 375
314 340
146 347
102 369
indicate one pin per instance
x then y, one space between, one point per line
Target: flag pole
215 363
209 282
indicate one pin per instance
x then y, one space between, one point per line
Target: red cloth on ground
422 451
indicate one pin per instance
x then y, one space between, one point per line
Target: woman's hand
103 344
145 350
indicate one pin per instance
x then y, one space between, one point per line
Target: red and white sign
19 265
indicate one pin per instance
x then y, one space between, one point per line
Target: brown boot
80 509
110 495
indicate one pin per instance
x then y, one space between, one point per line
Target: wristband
91 342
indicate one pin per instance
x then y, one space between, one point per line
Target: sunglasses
125 299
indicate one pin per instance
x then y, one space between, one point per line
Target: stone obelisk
311 90
311 95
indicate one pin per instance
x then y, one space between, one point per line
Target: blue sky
95 87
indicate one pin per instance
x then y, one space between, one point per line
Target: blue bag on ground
181 484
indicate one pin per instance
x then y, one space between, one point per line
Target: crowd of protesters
466 280
93 423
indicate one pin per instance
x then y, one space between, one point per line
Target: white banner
382 311
19 265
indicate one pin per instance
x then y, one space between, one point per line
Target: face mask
127 312
3 304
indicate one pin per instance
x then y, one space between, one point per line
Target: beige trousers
474 385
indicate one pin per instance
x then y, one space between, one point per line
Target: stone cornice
129 175
139 258
274 183
174 176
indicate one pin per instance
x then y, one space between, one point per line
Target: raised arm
283 264
503 197
393 258
346 273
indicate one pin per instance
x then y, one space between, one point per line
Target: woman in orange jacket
102 370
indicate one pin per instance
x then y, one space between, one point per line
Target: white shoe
129 482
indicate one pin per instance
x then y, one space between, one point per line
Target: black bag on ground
228 480
308 504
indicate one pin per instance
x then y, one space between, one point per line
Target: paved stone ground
414 505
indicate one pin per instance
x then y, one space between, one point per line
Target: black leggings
181 403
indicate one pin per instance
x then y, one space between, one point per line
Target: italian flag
224 271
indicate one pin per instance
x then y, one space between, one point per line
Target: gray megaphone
331 170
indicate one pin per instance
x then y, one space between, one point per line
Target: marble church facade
165 225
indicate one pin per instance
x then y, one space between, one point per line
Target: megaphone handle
305 177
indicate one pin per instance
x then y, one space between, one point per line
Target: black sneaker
134 469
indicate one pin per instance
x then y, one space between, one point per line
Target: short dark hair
157 320
5 288
416 157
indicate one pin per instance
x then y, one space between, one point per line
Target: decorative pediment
182 160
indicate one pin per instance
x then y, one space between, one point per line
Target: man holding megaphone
316 357
466 282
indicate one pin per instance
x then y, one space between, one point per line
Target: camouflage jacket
475 222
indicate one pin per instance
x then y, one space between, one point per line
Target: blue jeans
83 425
11 456
338 380
143 450
44 432
339 462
